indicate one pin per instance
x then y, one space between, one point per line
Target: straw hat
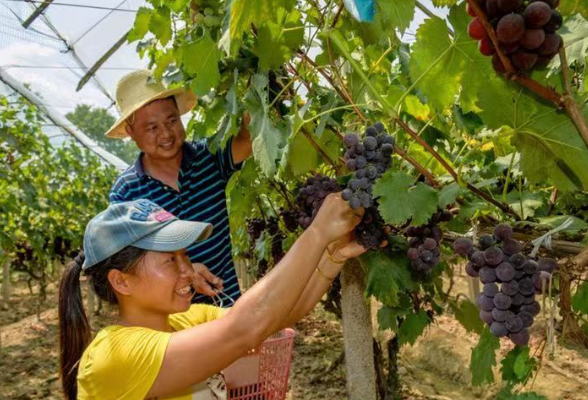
138 89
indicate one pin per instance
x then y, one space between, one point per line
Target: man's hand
204 282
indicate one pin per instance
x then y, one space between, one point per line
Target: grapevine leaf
276 42
526 203
201 58
467 314
507 394
412 327
517 367
397 14
141 25
387 275
484 358
441 65
299 156
244 13
448 194
580 299
570 7
266 137
401 201
160 25
575 37
549 143
387 318
444 3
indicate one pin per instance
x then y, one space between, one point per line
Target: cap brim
176 235
185 99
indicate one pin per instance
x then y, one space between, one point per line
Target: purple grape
534 308
530 267
490 289
526 286
528 299
520 274
371 131
487 275
554 23
547 264
471 271
537 15
351 165
463 246
526 318
485 303
517 299
521 338
486 316
505 272
354 203
502 301
493 255
514 324
430 244
413 253
511 246
486 241
501 315
518 260
510 288
370 143
351 139
498 329
346 194
503 232
426 256
478 259
360 162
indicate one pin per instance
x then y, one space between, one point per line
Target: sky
37 57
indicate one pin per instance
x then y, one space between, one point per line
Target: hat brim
176 235
185 99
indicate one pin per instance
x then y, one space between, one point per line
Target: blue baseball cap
139 223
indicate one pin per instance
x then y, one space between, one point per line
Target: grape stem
565 102
503 206
337 15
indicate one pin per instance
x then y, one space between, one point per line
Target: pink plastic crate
262 374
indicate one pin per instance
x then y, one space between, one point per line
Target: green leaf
387 318
397 14
266 137
575 36
484 358
400 200
387 275
160 25
468 315
277 41
549 143
569 7
448 194
525 204
517 367
256 12
299 156
201 58
444 3
580 299
507 394
141 25
412 327
443 67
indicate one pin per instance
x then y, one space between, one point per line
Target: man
182 177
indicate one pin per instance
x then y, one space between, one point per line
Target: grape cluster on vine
273 228
507 303
424 243
368 159
312 195
526 31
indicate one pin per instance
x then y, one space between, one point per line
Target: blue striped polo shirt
201 197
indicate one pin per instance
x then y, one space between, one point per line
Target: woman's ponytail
74 328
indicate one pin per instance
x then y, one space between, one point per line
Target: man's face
157 129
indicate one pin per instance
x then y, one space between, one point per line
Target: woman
161 346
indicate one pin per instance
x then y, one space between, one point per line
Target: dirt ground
435 368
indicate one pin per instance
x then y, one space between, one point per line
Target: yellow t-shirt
123 362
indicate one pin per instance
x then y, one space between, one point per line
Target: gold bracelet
321 273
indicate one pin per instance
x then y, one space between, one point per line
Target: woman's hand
205 282
335 218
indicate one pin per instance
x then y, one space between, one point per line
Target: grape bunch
290 218
511 280
424 243
311 197
368 160
273 228
525 29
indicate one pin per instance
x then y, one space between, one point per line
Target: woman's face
162 282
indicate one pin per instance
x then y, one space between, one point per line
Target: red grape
551 44
510 28
486 47
533 38
508 6
554 23
476 29
537 14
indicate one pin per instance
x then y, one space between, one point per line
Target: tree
94 122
